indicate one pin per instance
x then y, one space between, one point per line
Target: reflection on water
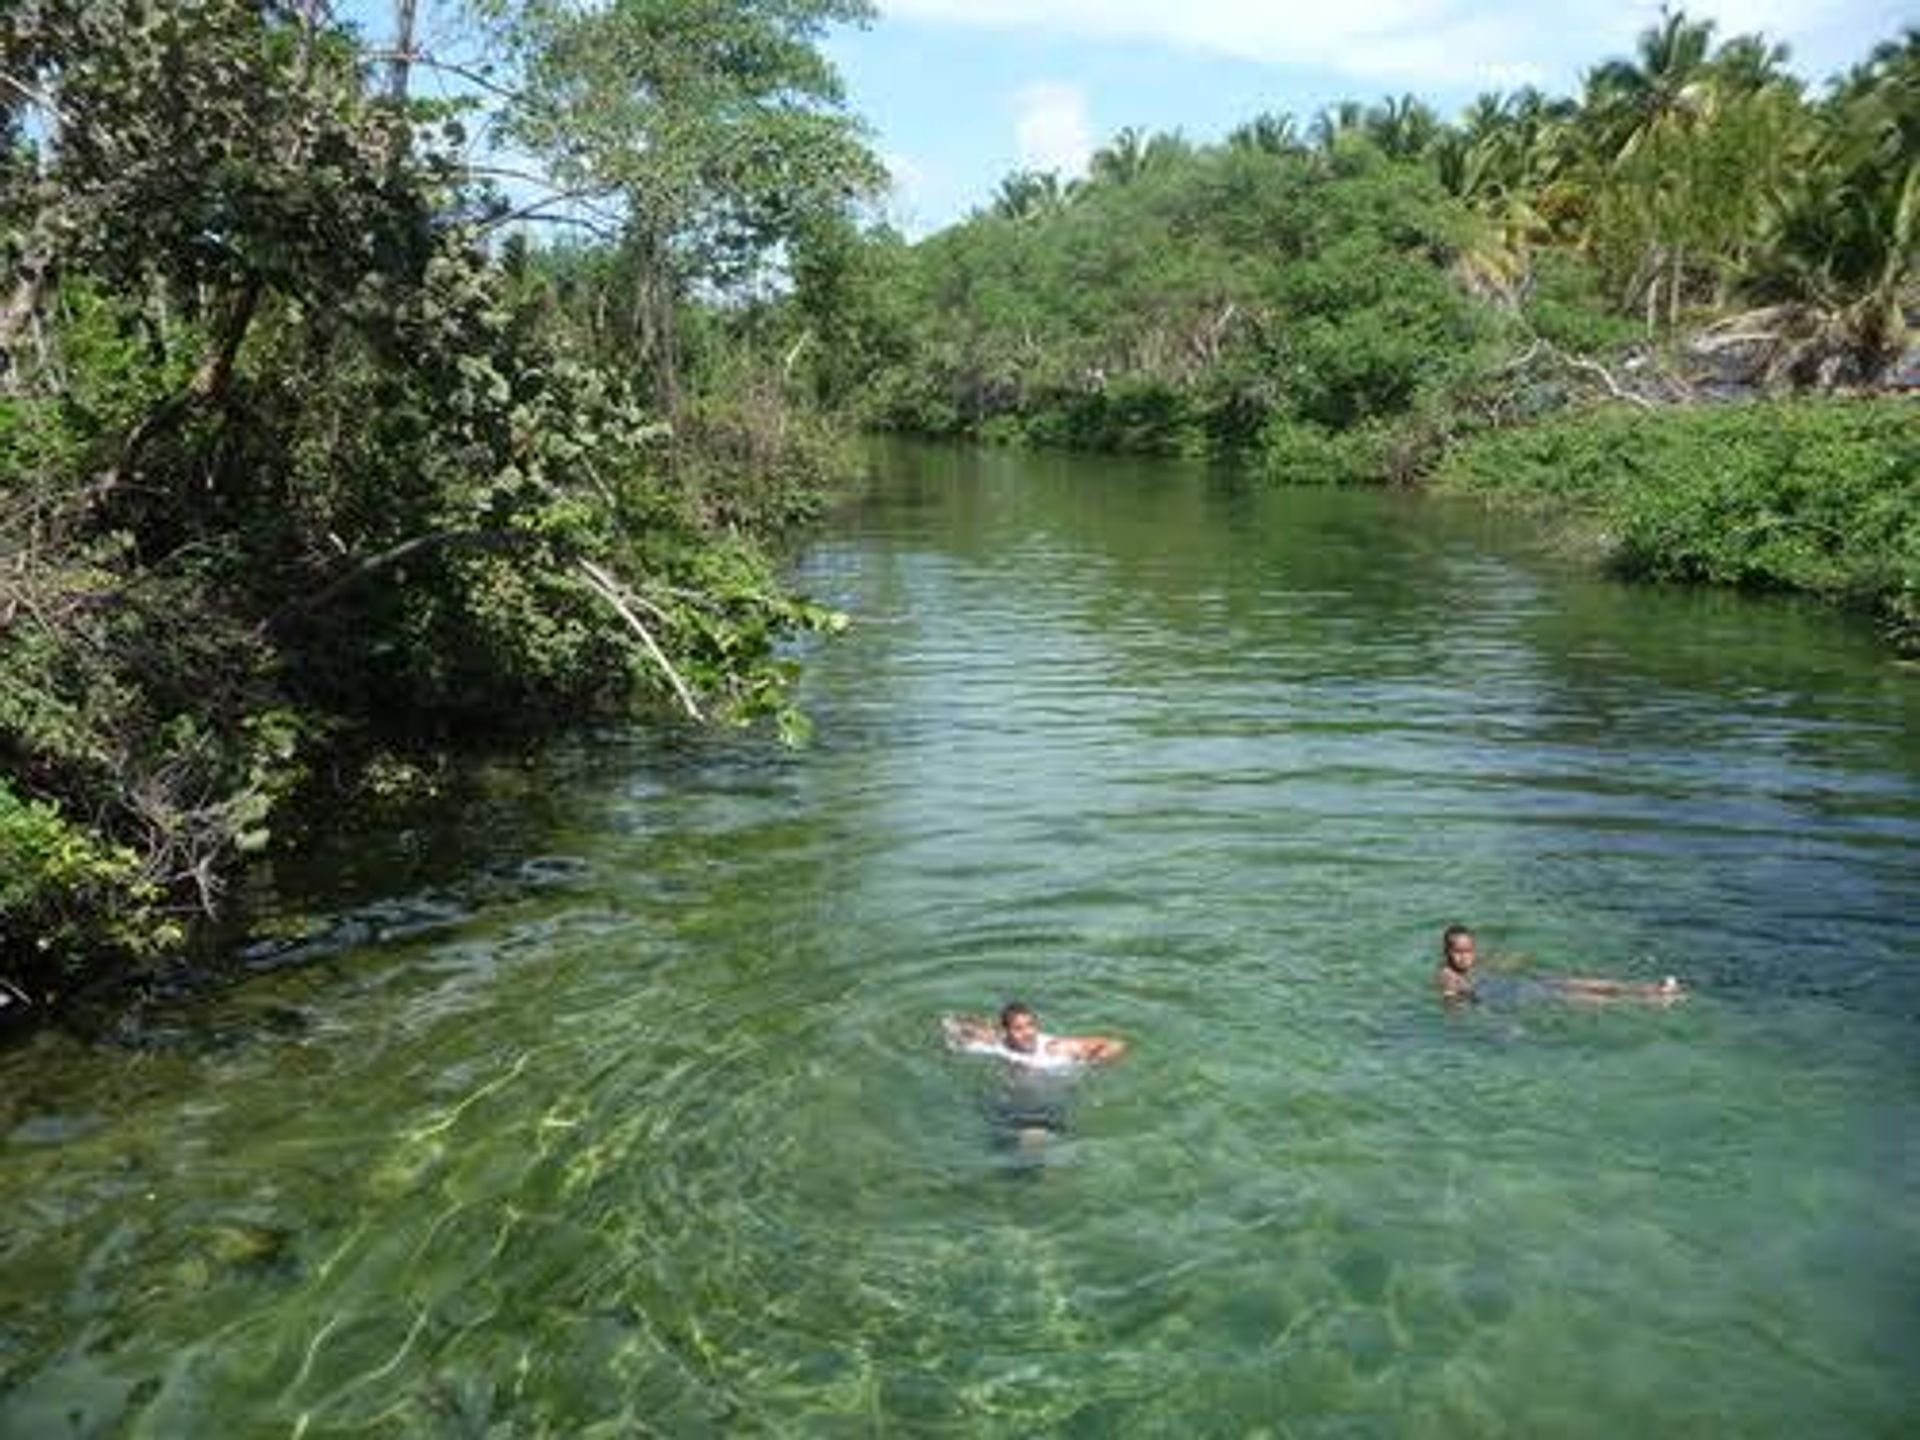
611 1098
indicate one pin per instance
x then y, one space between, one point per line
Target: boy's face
1460 955
1021 1031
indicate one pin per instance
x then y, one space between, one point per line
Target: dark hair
1013 1008
1451 934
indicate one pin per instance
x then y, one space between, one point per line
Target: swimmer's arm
1088 1049
964 1030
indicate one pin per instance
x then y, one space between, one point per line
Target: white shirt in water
1035 1059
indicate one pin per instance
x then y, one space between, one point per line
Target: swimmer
1458 956
1017 1037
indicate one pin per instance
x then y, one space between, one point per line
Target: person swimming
1030 1103
1018 1039
1457 984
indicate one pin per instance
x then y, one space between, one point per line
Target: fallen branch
1578 362
480 539
610 590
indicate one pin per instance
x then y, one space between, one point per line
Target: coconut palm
1122 160
1269 133
1025 194
1403 128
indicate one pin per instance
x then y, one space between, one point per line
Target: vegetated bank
1560 299
305 451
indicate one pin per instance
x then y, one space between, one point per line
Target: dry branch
609 589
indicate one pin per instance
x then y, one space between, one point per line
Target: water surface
608 1099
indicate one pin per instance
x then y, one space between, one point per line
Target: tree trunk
654 320
20 329
400 66
208 386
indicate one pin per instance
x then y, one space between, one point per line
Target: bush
1565 307
1298 452
1816 496
66 895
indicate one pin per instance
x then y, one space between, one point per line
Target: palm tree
1847 238
1334 122
1271 134
1631 104
1643 117
1122 160
1402 128
1025 194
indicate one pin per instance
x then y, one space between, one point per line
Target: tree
716 126
1846 236
1027 193
290 453
1269 133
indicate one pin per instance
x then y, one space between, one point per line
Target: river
606 1096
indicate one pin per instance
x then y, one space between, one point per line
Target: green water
607 1098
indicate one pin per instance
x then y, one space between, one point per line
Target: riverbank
1820 496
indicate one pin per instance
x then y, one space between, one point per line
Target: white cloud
1051 129
907 186
1416 42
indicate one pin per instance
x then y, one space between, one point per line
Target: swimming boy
1017 1037
1458 956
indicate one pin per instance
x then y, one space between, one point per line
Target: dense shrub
1820 496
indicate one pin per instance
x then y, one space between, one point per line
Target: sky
960 93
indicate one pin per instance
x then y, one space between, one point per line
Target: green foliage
1565 306
1178 303
715 126
64 893
290 458
1816 496
1300 452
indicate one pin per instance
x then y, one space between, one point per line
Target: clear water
608 1098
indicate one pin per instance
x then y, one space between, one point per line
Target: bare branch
1617 390
34 97
617 596
537 212
305 605
426 60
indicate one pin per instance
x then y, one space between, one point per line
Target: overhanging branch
609 589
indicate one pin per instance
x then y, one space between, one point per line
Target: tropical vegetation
1382 293
326 434
306 451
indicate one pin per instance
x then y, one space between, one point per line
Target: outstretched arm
1088 1049
964 1030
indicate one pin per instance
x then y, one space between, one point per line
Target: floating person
1018 1039
1458 957
1030 1104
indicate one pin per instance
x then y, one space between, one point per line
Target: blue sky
958 93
